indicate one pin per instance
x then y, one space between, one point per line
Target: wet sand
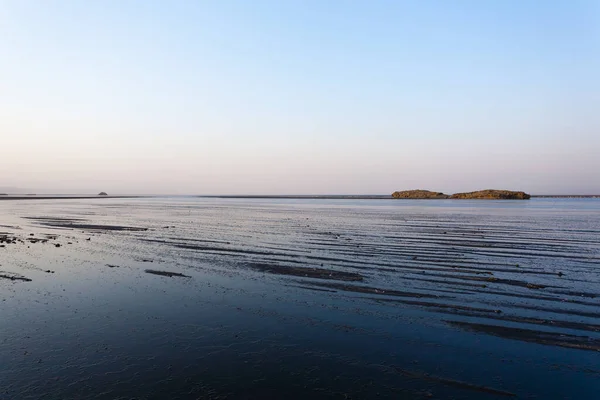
316 299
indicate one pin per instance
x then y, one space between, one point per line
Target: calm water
300 298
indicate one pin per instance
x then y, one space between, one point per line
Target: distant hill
488 194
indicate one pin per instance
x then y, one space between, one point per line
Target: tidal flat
231 298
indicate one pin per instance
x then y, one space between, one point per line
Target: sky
299 97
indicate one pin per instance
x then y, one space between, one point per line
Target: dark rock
102 194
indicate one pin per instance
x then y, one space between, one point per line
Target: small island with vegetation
488 194
491 194
102 194
419 194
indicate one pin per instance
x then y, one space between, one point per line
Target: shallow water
300 298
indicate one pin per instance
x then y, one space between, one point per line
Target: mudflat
299 298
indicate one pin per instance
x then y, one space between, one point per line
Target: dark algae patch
528 335
95 227
307 272
80 223
582 326
13 277
55 219
166 273
373 290
100 227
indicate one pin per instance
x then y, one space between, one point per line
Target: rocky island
102 194
419 194
488 194
491 194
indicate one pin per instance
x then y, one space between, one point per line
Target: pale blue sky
303 97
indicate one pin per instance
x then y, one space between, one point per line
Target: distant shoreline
288 197
360 197
50 197
568 196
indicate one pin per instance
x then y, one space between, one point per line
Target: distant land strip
568 196
291 197
320 197
360 197
49 197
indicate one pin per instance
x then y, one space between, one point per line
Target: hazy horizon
299 97
20 191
